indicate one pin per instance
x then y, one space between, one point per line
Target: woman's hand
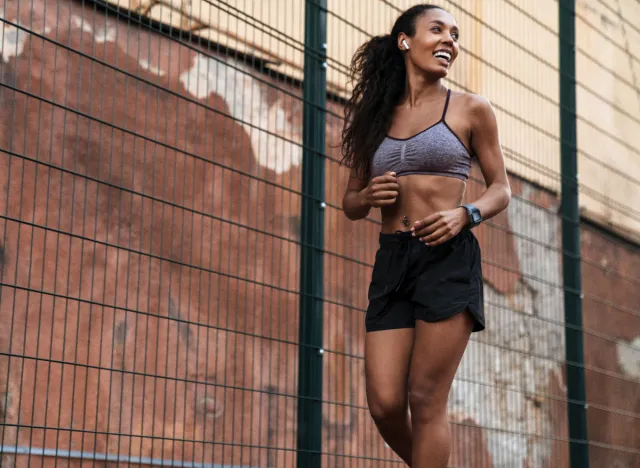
440 227
382 190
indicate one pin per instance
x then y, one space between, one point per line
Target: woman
410 143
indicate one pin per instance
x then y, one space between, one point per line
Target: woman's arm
439 227
486 146
361 196
353 203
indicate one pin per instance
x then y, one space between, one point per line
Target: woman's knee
387 407
426 399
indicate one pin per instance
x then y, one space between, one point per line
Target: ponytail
379 73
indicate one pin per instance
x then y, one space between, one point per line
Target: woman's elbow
506 194
352 214
353 206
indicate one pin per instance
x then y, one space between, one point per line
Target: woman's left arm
486 146
439 227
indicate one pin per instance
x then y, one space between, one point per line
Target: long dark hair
378 71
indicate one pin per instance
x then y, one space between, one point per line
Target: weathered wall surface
612 297
150 208
608 98
509 54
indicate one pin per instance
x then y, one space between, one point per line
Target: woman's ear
403 43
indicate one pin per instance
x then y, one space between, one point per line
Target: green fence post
312 237
574 348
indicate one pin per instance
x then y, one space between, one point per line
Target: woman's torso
432 162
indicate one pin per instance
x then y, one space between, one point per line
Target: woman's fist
382 190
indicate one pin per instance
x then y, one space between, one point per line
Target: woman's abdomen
419 196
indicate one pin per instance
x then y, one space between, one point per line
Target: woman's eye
435 29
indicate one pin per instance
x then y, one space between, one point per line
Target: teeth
444 55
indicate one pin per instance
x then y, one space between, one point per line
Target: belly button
405 221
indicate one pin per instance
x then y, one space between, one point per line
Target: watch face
476 217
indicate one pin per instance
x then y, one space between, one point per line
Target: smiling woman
410 143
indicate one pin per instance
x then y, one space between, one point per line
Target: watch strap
474 215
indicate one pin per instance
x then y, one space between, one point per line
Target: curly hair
378 71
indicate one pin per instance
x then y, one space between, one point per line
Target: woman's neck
420 88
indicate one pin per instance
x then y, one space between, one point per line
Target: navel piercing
405 221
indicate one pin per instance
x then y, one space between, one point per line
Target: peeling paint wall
509 55
12 40
166 250
610 281
629 357
276 141
522 349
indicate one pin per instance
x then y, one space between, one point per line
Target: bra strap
446 105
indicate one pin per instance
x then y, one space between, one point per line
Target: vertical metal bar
312 238
576 392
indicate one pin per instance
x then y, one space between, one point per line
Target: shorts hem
374 328
478 325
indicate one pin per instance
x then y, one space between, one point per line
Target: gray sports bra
435 150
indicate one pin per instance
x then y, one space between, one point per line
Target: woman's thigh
387 359
437 351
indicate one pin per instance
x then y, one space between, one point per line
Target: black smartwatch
475 217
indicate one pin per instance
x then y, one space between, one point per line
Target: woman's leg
437 351
387 357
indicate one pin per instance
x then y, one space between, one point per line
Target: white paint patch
499 382
12 40
248 102
103 35
82 24
144 63
629 357
100 35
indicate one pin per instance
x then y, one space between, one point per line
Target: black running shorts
412 281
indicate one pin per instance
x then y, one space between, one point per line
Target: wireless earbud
404 43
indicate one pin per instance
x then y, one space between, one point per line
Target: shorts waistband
397 236
400 237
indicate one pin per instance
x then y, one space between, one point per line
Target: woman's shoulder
474 105
471 101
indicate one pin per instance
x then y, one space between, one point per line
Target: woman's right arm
361 196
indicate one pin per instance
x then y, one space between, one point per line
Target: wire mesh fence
156 257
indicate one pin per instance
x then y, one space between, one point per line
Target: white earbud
404 43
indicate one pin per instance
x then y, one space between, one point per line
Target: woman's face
434 46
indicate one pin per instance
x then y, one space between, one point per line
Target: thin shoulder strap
446 105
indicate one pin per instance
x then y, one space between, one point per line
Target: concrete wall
154 245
